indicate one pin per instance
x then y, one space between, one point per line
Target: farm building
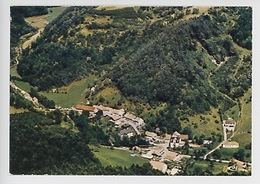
85 108
230 144
170 155
177 140
237 165
151 136
229 124
159 165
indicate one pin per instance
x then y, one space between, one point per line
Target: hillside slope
174 55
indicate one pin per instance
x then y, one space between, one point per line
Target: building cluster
237 165
161 151
160 148
229 125
118 116
174 140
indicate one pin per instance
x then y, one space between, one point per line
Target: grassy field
111 96
14 110
13 72
244 127
23 85
54 12
218 167
243 138
232 113
201 122
245 124
227 154
115 157
75 92
74 95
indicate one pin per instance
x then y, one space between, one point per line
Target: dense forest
179 54
38 145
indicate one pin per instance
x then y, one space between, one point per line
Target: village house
150 136
35 100
110 111
148 155
237 165
129 132
92 110
155 153
230 144
229 124
184 137
158 152
114 114
174 171
119 117
86 108
178 140
163 139
120 122
159 165
206 142
170 155
138 121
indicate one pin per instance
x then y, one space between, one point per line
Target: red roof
171 155
84 107
184 137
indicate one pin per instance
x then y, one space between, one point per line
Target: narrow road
225 138
33 38
24 94
205 156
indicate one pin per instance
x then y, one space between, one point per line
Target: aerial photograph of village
131 90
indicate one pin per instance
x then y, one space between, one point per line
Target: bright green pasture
116 157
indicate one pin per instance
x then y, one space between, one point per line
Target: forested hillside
40 145
152 53
18 26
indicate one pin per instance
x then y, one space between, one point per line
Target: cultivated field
115 157
75 93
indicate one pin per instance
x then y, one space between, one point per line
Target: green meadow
75 94
116 157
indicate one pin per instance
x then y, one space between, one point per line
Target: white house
230 144
229 124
